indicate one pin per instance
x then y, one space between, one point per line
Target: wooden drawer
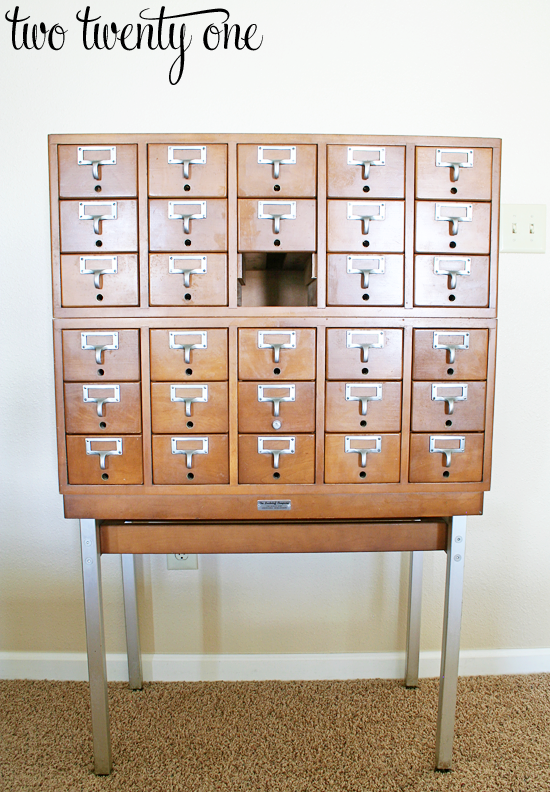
432 403
85 358
363 406
188 170
172 357
347 232
81 233
451 281
297 171
464 462
295 231
295 465
102 408
260 359
204 274
355 353
352 459
189 408
116 177
472 174
365 280
434 235
99 280
205 231
191 460
261 411
353 171
432 359
122 465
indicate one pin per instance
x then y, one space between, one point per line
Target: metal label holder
185 161
188 400
277 399
277 216
202 344
276 451
454 164
275 346
451 348
448 452
186 216
100 401
364 270
366 345
363 399
97 217
97 272
187 271
363 450
189 452
449 400
368 214
368 159
98 348
453 219
442 267
276 161
95 163
103 454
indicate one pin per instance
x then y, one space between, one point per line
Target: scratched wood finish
206 180
115 289
257 180
118 180
433 181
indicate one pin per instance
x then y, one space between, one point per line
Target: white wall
399 67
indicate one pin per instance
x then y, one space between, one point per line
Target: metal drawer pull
95 163
276 346
187 271
368 210
436 449
96 215
98 347
188 400
363 398
366 265
376 343
363 450
103 454
276 451
449 400
447 158
97 272
186 161
450 347
366 156
202 344
101 400
452 267
444 212
187 216
189 452
290 397
277 161
277 216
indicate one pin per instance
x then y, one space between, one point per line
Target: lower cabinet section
369 458
272 459
104 460
448 457
190 460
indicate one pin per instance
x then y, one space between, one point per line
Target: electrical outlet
523 228
182 561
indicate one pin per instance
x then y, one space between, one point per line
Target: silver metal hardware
103 454
276 424
274 505
95 215
367 156
187 271
187 216
277 216
188 400
368 210
276 451
291 391
98 347
363 450
450 347
200 159
202 344
101 400
366 266
97 272
277 161
376 343
444 212
448 452
276 346
446 158
95 163
449 400
363 398
189 452
446 265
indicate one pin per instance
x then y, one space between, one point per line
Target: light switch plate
523 228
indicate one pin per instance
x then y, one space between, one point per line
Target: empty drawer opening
277 279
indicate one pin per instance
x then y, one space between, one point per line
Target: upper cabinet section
454 173
355 171
98 171
282 171
188 170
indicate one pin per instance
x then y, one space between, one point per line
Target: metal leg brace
131 621
413 623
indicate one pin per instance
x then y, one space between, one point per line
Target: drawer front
354 171
87 226
352 459
99 280
178 225
274 459
363 406
448 406
433 356
267 406
284 353
294 177
97 172
452 457
100 355
260 230
188 279
451 281
183 355
96 459
190 460
356 354
435 235
188 170
454 173
197 408
365 280
356 225
102 408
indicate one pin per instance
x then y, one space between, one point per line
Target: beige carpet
278 736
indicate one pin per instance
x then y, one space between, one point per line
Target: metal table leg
131 620
413 623
95 640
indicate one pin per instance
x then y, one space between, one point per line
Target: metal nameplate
202 334
373 265
365 212
369 156
85 345
82 160
93 214
198 215
289 160
117 451
87 397
86 269
452 266
200 159
447 158
274 505
199 269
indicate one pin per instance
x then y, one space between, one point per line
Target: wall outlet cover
182 561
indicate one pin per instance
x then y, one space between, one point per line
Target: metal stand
413 622
135 676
